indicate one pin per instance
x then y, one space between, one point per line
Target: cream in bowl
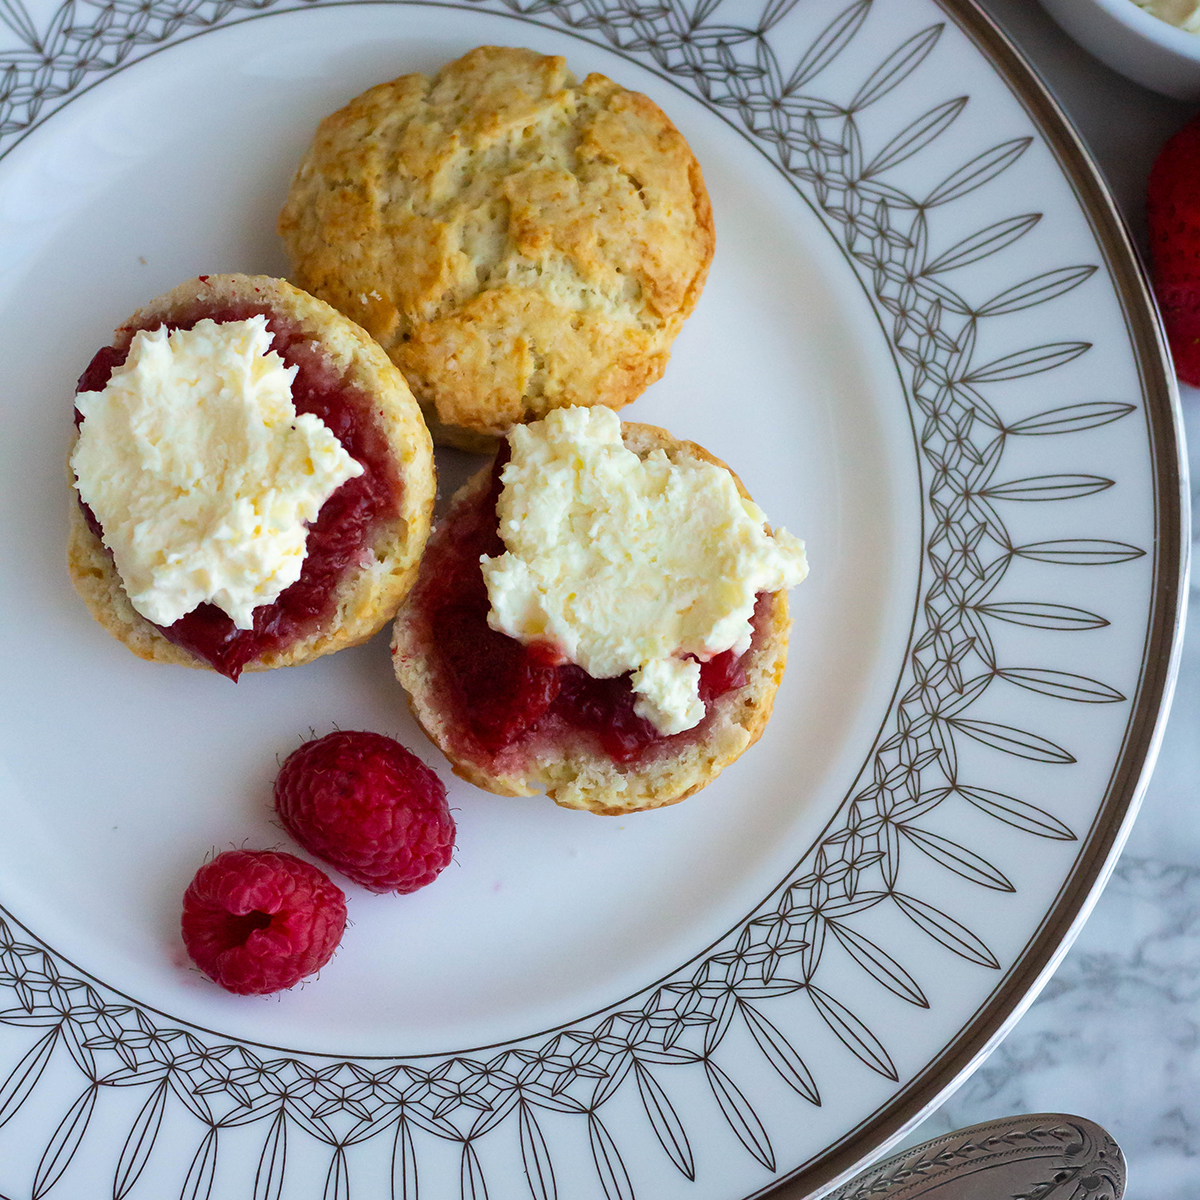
1147 41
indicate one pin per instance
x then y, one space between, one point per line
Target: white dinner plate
926 348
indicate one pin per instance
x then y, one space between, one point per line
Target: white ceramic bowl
1131 41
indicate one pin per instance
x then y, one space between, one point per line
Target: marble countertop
1115 1035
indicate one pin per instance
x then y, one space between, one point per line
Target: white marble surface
1115 1036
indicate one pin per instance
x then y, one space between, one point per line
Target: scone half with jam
253 480
517 240
600 615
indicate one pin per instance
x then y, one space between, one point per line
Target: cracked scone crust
573 772
515 240
367 597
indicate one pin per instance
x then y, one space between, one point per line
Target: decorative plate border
683 1022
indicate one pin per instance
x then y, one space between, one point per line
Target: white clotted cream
629 564
201 473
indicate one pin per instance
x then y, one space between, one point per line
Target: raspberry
257 921
364 804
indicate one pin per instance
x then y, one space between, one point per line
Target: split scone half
631 677
253 480
516 240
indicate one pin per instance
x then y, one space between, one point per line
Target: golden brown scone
515 240
368 594
570 766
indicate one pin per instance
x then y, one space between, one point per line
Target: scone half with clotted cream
253 479
600 615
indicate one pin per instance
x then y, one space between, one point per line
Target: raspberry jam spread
342 531
501 690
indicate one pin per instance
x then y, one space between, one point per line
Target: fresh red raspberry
258 922
369 808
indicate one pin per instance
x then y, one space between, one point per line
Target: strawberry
1173 217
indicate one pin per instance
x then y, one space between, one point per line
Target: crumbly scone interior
566 763
515 240
367 596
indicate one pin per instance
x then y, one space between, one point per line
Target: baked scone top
515 240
